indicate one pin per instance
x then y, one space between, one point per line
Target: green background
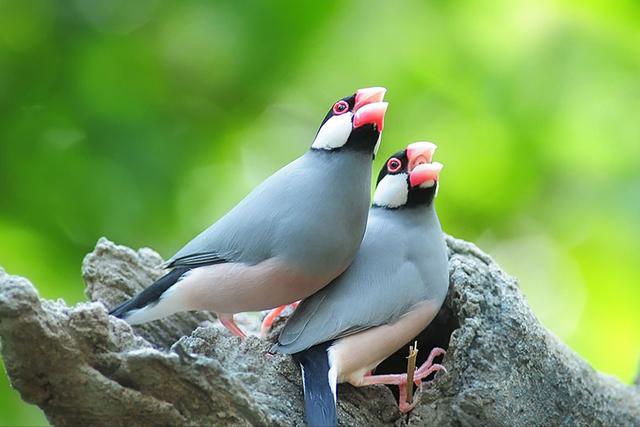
146 120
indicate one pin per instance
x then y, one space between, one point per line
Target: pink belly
234 288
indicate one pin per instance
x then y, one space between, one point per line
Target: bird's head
408 178
353 123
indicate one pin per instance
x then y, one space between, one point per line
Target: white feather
333 373
334 132
150 313
304 387
375 149
392 191
168 304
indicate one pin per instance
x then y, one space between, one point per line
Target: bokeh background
146 120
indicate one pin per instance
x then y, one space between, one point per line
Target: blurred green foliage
144 121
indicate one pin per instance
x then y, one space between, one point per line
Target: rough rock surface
83 367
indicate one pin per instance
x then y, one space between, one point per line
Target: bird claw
268 320
228 322
403 405
426 369
437 351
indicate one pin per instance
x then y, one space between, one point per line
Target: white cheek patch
334 132
392 191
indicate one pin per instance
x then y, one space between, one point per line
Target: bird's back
312 213
402 261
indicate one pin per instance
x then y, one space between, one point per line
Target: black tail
319 400
150 295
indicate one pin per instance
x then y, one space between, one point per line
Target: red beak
421 170
368 96
420 152
425 172
370 114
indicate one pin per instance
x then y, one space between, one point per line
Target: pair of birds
300 235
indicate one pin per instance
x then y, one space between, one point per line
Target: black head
408 178
354 122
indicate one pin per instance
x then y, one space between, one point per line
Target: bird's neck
345 162
422 213
340 151
419 215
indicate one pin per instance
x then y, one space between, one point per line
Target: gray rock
83 367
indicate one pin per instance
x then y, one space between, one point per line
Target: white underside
351 357
232 288
150 313
166 306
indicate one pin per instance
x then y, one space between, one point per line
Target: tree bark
83 367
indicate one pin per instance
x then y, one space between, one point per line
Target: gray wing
194 260
381 285
284 216
242 233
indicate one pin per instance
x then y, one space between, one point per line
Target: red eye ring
394 165
340 107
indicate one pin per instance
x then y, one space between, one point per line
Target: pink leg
426 369
390 379
267 322
228 322
393 379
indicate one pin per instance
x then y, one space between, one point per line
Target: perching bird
289 237
390 293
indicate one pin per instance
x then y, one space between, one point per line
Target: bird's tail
319 387
139 309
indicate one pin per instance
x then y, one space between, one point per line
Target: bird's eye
393 165
340 107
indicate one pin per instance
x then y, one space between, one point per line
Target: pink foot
267 322
402 400
393 379
228 322
426 369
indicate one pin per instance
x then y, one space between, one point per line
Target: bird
289 237
393 289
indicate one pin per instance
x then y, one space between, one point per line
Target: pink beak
420 152
421 170
425 172
368 96
371 114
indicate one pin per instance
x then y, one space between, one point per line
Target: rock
84 367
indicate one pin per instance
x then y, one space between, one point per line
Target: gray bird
390 293
289 237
